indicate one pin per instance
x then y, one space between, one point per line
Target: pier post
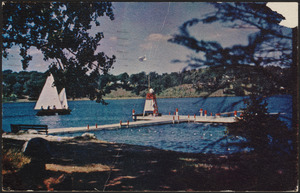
201 110
176 111
133 115
188 118
96 125
235 113
120 123
194 117
178 118
127 123
205 113
88 127
173 119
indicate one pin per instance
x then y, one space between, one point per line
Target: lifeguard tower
150 107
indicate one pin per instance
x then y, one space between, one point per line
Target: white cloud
153 39
34 51
146 46
289 10
113 38
158 37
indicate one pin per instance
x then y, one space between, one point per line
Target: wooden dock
142 121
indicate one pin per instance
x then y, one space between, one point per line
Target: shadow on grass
99 166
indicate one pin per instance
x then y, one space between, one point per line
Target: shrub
272 143
264 133
14 159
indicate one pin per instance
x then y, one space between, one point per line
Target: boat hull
49 112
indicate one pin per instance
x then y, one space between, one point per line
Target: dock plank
146 121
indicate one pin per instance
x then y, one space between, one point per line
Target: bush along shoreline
22 86
128 95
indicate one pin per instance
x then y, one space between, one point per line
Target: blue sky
142 29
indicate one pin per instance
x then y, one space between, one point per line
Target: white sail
49 96
63 99
149 105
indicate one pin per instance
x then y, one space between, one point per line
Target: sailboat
150 107
150 104
50 102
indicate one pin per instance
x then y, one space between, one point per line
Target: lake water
185 137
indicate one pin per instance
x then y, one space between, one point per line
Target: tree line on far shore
236 81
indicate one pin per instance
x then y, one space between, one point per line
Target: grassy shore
182 91
103 166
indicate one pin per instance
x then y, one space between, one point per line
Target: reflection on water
49 120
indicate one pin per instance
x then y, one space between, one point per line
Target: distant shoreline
117 98
121 95
78 99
